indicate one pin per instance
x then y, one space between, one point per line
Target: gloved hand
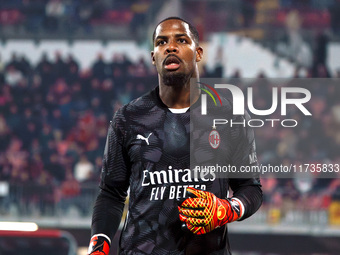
202 212
99 245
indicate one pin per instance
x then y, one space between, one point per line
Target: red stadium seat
114 17
311 19
10 17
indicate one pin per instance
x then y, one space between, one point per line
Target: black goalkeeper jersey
148 151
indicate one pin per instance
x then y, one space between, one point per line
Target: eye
182 40
160 42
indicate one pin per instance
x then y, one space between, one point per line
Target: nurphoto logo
238 104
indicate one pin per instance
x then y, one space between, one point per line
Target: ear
199 53
153 57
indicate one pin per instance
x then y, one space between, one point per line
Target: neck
179 96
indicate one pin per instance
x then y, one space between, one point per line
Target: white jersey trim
182 110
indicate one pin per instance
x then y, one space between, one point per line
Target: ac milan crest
214 139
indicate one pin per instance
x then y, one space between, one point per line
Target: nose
172 48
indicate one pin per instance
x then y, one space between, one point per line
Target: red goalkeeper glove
204 212
99 245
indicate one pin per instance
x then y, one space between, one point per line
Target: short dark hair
192 29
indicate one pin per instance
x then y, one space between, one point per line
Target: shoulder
223 107
136 108
141 104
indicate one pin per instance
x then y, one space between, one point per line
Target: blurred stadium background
67 65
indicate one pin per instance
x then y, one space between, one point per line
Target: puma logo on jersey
146 139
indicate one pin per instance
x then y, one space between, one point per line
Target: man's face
175 52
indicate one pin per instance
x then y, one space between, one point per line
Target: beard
175 79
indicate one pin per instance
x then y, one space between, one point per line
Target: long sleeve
246 186
114 184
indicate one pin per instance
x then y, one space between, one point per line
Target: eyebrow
180 35
165 37
161 37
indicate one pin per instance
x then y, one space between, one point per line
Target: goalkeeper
148 152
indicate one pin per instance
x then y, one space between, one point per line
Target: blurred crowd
315 140
54 119
54 116
69 17
101 17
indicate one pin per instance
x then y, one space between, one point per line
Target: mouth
172 62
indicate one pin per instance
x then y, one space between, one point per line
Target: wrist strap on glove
99 245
